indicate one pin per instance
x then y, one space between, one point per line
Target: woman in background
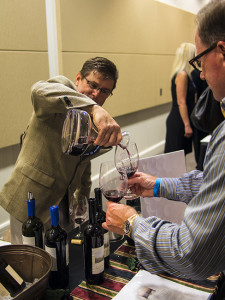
179 129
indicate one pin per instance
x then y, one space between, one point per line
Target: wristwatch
127 227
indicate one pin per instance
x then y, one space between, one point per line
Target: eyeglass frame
196 58
91 84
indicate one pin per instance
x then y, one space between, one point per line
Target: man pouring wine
42 168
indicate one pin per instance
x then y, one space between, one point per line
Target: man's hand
109 133
116 215
142 184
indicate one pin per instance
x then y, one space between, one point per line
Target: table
119 274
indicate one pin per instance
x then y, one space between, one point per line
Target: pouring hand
109 133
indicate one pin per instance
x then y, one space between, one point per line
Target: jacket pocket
37 175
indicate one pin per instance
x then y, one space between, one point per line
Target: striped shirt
196 248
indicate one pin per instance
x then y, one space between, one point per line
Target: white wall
188 5
146 127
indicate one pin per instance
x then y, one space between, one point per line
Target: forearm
194 248
184 114
162 246
56 95
183 188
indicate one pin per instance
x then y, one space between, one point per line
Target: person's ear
78 78
221 45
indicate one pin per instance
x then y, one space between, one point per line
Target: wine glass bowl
76 132
113 184
80 214
127 159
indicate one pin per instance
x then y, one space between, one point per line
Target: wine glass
128 159
113 184
80 214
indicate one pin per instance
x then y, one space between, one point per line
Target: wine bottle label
52 252
28 240
106 244
98 260
14 274
3 292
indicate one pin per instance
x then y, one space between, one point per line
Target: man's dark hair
101 65
211 22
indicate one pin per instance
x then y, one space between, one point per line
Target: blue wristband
156 187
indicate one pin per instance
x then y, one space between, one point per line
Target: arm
179 189
195 248
50 97
181 82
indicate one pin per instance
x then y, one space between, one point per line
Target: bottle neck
31 208
92 211
98 197
54 212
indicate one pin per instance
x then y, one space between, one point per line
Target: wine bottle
11 283
93 247
56 245
32 228
101 218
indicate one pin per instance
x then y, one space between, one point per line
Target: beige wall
23 61
140 36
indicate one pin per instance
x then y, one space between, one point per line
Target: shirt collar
223 103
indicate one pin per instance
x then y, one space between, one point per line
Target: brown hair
101 65
211 22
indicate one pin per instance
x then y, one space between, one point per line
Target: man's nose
96 92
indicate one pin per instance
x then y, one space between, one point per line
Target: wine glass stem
79 230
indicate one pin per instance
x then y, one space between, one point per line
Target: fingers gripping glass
93 85
196 63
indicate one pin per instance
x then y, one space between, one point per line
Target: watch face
127 227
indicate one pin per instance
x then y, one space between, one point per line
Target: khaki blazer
42 168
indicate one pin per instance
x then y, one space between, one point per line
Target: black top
175 139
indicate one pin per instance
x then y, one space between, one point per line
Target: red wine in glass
114 195
113 183
80 147
79 220
129 170
127 159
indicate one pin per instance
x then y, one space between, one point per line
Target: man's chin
217 97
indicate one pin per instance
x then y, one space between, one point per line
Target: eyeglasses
94 86
196 63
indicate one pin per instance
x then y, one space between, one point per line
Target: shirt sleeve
195 248
56 95
182 189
